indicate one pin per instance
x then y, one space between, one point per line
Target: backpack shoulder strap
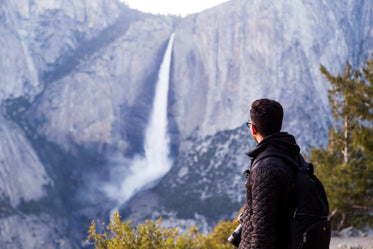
306 166
265 154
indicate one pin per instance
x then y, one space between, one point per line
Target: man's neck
258 138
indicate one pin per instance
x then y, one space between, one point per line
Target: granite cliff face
244 50
70 74
32 37
77 82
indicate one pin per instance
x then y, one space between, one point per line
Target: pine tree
346 166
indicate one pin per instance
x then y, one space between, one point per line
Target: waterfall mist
145 170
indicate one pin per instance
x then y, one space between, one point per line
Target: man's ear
253 129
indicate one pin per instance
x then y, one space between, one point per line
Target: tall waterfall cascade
155 163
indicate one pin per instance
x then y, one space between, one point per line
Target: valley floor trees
121 234
346 166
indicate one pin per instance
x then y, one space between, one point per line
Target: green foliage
218 237
121 234
345 167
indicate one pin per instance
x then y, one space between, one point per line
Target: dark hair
266 115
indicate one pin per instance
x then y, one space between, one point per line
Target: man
265 219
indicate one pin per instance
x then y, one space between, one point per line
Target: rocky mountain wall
107 98
239 51
59 61
77 82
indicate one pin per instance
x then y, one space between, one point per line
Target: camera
235 238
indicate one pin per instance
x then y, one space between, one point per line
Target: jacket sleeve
266 206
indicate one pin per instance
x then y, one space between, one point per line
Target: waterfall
144 170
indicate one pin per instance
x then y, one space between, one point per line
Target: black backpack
310 226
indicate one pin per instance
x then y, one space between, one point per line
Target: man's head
266 117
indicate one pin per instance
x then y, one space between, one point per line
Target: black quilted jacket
265 221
